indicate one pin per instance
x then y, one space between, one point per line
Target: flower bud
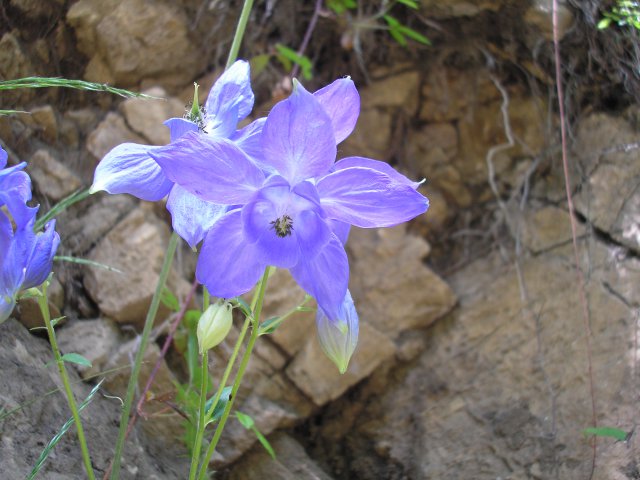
339 337
214 325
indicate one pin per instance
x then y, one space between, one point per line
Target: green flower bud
214 325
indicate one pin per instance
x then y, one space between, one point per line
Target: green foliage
169 300
77 359
288 57
84 261
625 12
54 441
248 423
611 432
41 82
341 6
60 207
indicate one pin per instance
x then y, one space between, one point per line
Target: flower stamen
283 225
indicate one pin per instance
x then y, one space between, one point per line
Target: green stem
202 420
255 320
144 340
43 303
237 39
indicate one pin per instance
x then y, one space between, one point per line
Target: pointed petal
223 124
15 192
40 262
248 139
179 126
191 216
325 277
341 101
340 229
368 198
128 168
232 91
339 336
3 157
228 266
212 169
297 138
383 167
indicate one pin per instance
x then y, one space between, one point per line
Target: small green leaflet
220 406
169 300
616 433
76 358
409 3
84 261
248 423
288 56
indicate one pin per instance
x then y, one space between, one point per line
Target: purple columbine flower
293 209
129 168
25 256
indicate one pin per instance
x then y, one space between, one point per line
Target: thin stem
237 38
255 320
43 303
202 420
144 340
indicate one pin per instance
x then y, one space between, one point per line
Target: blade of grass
43 82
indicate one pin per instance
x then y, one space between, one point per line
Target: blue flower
339 336
129 168
26 255
292 209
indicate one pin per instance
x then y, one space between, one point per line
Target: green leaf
41 82
56 438
418 37
394 30
60 207
248 423
409 3
243 306
293 57
84 261
259 63
76 358
222 403
616 433
270 325
11 112
169 300
604 23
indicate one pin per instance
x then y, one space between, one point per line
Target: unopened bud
339 337
214 325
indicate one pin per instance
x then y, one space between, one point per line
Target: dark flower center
283 225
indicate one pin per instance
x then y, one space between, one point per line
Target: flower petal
368 198
339 336
40 261
232 91
128 168
383 167
212 169
228 265
341 101
325 277
3 158
248 139
179 126
340 229
191 216
297 138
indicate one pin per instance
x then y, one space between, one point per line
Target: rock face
135 248
132 40
495 393
26 384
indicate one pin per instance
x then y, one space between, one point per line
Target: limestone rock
112 131
24 433
397 91
14 63
539 15
610 198
51 177
133 40
547 228
362 143
458 8
393 291
314 374
45 118
146 116
291 463
136 247
96 340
